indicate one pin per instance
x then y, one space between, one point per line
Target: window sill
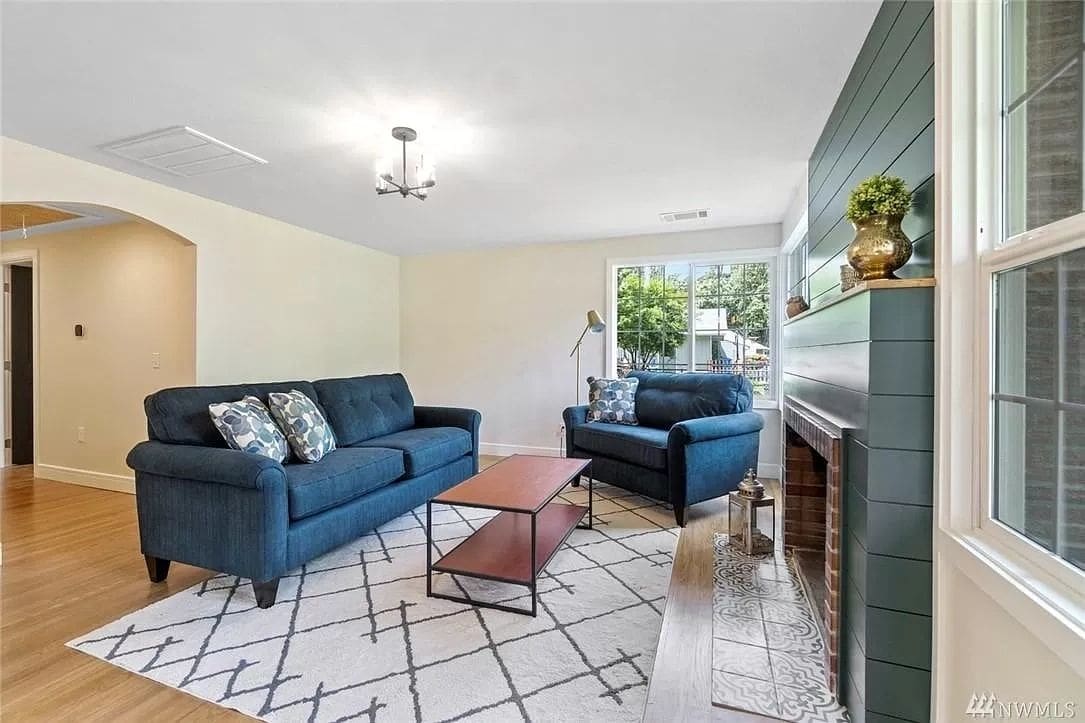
766 404
1044 606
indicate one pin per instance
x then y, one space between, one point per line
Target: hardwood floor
72 563
681 682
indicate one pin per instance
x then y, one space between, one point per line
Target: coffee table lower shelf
513 547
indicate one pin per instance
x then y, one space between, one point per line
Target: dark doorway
22 365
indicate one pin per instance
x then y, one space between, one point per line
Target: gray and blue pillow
308 432
247 426
612 400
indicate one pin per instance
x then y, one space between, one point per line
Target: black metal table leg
429 548
591 494
534 572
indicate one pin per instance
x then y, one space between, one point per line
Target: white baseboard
766 470
504 450
86 478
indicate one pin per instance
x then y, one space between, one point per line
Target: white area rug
354 637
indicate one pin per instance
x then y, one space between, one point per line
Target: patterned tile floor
766 648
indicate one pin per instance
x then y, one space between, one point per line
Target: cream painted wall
989 650
273 301
492 329
133 287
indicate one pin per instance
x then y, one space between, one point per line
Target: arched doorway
113 300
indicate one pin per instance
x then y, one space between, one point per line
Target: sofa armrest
707 457
704 429
207 464
468 419
573 417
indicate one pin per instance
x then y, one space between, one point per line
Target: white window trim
768 255
1045 593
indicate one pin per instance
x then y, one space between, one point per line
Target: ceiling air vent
182 151
675 216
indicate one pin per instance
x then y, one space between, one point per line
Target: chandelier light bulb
427 173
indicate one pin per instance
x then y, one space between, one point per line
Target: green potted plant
875 208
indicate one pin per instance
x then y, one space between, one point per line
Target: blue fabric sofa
204 504
697 436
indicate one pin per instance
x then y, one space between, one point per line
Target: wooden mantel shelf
864 286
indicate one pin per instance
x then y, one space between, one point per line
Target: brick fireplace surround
813 517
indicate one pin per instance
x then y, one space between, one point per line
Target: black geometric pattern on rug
767 650
354 637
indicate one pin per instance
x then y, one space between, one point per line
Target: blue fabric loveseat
204 504
697 436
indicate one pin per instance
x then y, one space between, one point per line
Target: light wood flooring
71 563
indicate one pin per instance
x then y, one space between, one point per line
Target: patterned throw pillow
612 400
307 430
247 426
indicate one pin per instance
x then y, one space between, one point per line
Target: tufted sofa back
664 399
179 415
361 408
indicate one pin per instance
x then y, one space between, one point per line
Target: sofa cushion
179 415
664 399
361 408
642 446
340 476
425 448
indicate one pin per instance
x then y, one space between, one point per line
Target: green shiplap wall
883 122
867 362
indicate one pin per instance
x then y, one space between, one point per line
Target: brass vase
879 247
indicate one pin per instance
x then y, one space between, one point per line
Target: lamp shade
595 323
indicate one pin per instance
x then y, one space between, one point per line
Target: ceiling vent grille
675 216
182 151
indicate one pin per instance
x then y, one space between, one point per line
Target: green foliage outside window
652 320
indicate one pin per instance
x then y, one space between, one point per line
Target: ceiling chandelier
425 175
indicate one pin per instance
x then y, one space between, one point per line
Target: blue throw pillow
612 400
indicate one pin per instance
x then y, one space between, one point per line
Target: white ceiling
549 122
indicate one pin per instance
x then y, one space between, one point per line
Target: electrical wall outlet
156 360
561 431
81 434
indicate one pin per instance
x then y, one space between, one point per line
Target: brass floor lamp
596 326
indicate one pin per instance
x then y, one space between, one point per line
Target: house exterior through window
706 316
1034 273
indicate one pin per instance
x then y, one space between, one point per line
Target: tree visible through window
696 317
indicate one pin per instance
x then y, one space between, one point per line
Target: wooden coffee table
517 544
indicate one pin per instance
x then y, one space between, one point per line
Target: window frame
1027 580
998 252
769 256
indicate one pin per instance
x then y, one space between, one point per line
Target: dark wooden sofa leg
265 592
157 568
576 482
680 516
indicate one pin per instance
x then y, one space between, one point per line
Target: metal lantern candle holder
746 517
